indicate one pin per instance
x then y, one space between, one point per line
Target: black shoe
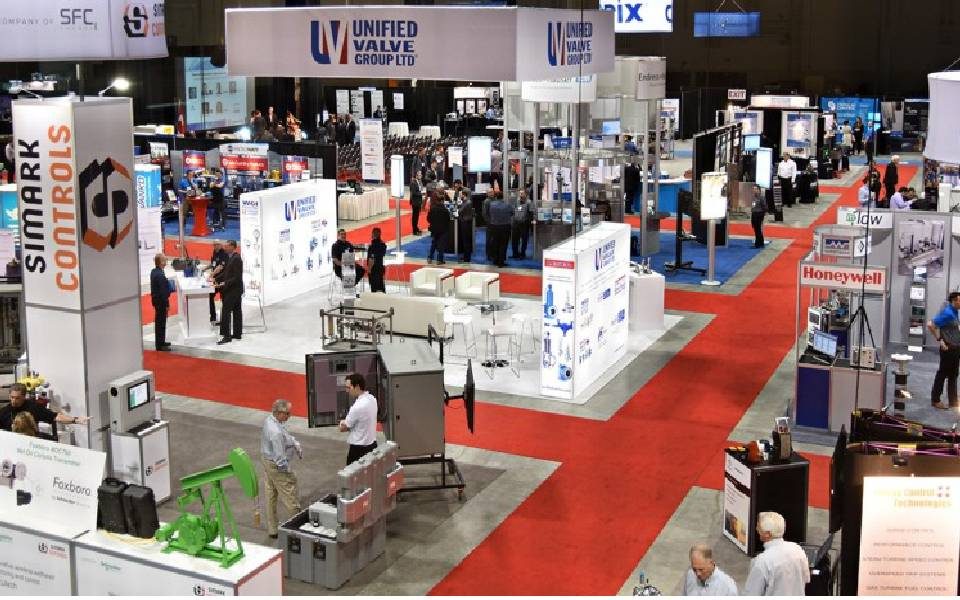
223 340
756 246
163 348
216 323
442 262
272 536
237 337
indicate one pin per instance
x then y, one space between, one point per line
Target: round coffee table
492 307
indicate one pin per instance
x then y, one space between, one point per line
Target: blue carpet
729 258
419 249
232 231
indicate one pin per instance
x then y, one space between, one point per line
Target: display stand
142 457
750 489
36 559
193 299
109 564
646 301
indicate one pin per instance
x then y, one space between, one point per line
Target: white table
19 552
113 564
356 207
646 301
398 128
432 131
193 300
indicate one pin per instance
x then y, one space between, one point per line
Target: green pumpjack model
206 535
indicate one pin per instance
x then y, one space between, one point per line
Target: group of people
782 569
190 186
278 447
27 416
376 253
269 127
893 196
341 130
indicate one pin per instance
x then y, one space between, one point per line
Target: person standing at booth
336 255
522 218
465 229
782 569
439 220
786 173
891 177
858 136
416 199
217 261
758 210
160 290
230 285
376 252
498 230
361 420
945 328
19 403
277 449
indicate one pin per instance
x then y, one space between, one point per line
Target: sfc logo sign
106 215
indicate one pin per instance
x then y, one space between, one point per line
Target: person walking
782 569
522 218
277 449
230 285
758 211
361 419
439 220
416 200
704 577
160 290
945 328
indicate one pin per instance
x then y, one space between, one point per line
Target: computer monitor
751 142
610 127
130 401
138 395
825 343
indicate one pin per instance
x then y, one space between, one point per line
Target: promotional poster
751 121
799 133
149 226
371 149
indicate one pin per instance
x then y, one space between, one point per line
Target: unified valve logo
135 20
106 215
376 42
569 43
605 255
299 208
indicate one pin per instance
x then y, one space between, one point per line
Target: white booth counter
193 301
121 565
37 560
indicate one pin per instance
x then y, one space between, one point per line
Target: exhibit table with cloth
432 131
398 128
193 300
356 207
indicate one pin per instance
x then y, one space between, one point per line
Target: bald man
704 577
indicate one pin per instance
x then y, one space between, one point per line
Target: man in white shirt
361 420
704 577
863 196
898 201
782 569
786 173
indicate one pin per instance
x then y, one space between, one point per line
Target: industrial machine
213 533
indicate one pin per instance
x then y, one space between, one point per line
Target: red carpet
586 527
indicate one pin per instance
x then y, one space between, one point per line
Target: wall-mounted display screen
726 24
212 98
610 127
751 142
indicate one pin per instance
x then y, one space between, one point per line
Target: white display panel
286 234
150 239
799 133
585 300
751 121
713 201
653 16
33 564
371 149
651 77
909 536
343 102
58 485
764 167
478 154
214 98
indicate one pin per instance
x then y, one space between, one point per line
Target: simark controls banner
391 42
88 30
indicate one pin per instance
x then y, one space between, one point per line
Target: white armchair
474 285
431 281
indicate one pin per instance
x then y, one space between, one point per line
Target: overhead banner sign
651 77
49 482
75 31
873 279
574 89
909 537
371 149
378 42
636 16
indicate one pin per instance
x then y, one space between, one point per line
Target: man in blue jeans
945 327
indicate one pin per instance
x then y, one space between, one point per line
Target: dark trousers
438 241
377 283
949 365
786 186
231 314
415 218
756 219
498 238
519 236
890 189
465 239
356 452
160 325
218 211
213 308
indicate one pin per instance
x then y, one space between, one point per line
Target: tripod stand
861 314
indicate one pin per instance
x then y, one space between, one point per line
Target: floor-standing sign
149 227
79 231
371 149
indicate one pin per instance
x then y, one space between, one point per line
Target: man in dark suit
416 201
217 261
160 290
230 284
631 183
351 127
891 177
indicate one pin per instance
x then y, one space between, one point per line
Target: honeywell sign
874 279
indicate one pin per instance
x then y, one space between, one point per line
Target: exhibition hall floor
562 499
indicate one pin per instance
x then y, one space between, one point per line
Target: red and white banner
292 168
250 158
194 159
874 279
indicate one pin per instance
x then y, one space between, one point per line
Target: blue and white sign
147 185
390 42
641 16
848 109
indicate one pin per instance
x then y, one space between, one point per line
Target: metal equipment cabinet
411 380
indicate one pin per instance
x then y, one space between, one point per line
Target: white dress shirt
863 195
898 202
718 584
362 420
782 569
787 169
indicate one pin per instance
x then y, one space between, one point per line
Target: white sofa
474 285
411 314
431 281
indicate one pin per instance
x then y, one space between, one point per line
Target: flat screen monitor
825 343
610 127
751 142
138 395
478 154
726 24
764 167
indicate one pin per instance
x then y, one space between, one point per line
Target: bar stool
501 350
453 321
524 323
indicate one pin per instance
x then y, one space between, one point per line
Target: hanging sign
429 42
194 159
734 94
651 77
574 89
293 167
